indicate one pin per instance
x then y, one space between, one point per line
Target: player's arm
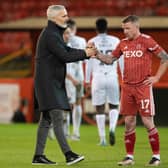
69 76
121 64
161 70
163 64
74 81
107 59
163 56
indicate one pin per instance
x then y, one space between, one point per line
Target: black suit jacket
52 54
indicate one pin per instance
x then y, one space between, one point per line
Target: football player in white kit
105 84
74 81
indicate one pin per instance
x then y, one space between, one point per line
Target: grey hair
53 10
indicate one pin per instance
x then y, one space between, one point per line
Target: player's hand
88 89
151 80
75 82
99 54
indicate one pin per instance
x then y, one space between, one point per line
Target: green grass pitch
17 142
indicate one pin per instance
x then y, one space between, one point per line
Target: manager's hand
90 52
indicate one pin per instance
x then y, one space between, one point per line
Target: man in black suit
52 54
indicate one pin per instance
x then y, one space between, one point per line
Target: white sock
66 123
51 134
100 119
130 156
156 156
76 119
113 118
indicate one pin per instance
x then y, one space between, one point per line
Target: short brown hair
130 18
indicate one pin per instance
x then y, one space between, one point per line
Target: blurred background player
74 81
20 112
105 85
66 124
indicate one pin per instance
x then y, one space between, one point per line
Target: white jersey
105 86
75 69
105 44
77 42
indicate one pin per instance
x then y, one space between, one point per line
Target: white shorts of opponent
105 89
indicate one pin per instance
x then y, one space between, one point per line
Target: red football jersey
137 57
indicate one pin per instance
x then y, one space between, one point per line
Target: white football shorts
105 88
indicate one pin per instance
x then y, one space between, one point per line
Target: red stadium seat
162 11
83 7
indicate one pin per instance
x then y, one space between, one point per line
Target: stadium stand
22 8
19 9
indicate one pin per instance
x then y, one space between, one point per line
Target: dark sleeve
65 54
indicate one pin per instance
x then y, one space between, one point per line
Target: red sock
130 138
154 140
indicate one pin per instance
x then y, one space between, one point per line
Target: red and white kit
137 68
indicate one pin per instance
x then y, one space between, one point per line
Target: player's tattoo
101 63
164 56
105 52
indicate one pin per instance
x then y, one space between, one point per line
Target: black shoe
111 138
154 162
41 159
72 158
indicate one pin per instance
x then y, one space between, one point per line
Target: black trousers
55 117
